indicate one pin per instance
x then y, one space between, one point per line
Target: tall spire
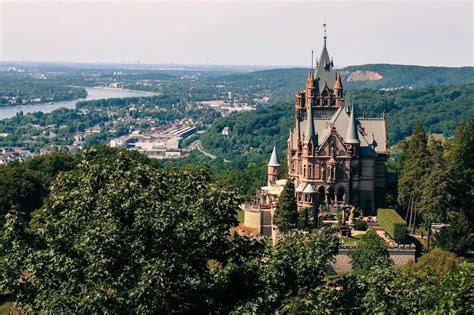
310 132
325 35
325 74
274 158
352 134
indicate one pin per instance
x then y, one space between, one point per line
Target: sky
277 33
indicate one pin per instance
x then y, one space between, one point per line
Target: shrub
393 224
360 225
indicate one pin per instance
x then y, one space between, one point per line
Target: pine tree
435 199
286 213
415 167
461 169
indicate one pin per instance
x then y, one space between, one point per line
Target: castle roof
274 158
309 189
365 127
310 131
352 136
325 74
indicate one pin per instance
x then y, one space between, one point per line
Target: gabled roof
274 158
340 119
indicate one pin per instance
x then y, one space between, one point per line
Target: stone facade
334 157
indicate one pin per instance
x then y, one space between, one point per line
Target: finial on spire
312 58
325 34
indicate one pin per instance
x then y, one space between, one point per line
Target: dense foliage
393 224
372 251
118 233
20 90
439 180
286 212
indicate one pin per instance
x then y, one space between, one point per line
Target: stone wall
400 257
252 218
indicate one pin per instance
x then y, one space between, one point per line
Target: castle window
310 148
310 173
304 171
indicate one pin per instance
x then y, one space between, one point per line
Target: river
92 94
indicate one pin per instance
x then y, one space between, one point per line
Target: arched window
310 169
304 170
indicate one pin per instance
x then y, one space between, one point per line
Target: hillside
439 108
284 82
397 76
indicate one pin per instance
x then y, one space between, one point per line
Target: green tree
415 165
435 199
297 264
20 189
457 237
123 236
438 262
286 213
461 168
371 251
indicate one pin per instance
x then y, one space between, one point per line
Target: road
196 145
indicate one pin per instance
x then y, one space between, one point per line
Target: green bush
360 225
393 224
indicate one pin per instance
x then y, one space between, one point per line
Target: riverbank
94 93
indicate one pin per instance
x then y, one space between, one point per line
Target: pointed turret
325 72
338 84
338 87
352 134
274 161
273 167
347 102
310 132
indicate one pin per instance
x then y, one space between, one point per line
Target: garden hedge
393 224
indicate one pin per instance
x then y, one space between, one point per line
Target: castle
334 158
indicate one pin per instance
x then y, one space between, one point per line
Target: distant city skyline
283 33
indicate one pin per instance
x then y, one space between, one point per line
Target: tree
20 189
371 251
461 168
123 236
415 166
435 199
438 262
458 236
297 265
286 213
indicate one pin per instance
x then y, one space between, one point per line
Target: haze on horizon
283 33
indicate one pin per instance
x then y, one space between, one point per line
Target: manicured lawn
352 239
